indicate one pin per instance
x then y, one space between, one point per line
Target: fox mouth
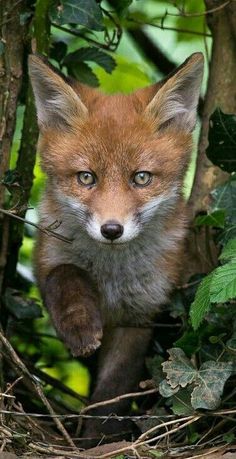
113 243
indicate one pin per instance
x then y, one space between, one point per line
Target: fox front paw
82 341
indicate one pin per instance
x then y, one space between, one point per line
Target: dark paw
82 341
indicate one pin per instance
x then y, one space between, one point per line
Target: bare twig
207 453
10 386
202 13
113 45
139 443
77 33
41 228
37 387
117 399
173 29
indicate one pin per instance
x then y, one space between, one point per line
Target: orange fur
97 281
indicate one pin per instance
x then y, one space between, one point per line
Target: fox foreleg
72 301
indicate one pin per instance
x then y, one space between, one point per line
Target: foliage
222 140
220 285
207 382
80 12
198 369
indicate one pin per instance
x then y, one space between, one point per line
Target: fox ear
57 103
176 100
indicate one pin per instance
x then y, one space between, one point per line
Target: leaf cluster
202 363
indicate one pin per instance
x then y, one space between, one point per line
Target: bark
27 152
11 56
221 92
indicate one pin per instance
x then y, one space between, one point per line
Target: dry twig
41 228
20 367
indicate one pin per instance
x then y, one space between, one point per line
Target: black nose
112 230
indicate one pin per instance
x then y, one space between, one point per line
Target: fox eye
142 178
86 178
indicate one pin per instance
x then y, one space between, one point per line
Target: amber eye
142 178
86 178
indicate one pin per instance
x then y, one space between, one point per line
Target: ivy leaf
181 402
82 72
92 54
207 382
223 285
202 303
154 367
222 140
229 251
215 219
210 381
224 197
20 306
166 390
83 12
179 369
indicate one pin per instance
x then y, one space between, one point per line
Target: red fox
115 166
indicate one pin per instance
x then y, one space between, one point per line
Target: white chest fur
130 277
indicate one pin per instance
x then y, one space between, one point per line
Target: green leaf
155 453
188 342
181 402
193 23
224 197
82 72
58 50
223 285
127 76
93 54
179 369
229 251
229 438
201 305
215 219
83 12
20 306
121 7
222 140
154 367
210 381
166 390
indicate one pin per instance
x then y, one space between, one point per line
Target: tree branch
151 51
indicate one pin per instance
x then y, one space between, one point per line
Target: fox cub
115 166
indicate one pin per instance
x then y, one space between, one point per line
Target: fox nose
112 230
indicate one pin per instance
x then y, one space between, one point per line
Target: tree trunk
221 92
27 152
11 57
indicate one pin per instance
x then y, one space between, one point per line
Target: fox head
116 162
